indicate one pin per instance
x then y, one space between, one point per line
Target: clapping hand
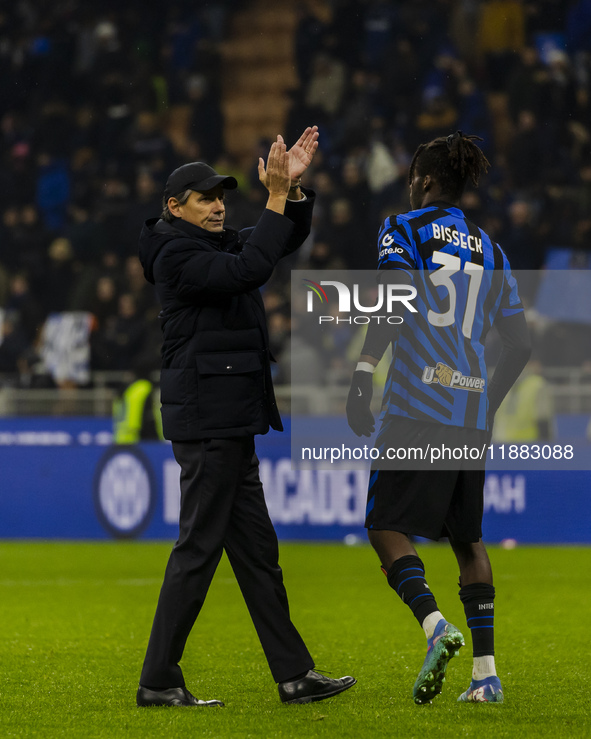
275 176
302 152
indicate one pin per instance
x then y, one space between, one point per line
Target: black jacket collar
196 232
223 240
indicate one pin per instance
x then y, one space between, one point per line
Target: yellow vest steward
129 410
517 418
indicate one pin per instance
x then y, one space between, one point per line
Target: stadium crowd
85 89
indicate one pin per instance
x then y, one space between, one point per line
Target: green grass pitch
75 618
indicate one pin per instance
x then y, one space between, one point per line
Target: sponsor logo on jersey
390 250
454 379
387 242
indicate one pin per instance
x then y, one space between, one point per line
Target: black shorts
424 501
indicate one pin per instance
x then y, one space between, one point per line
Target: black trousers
222 507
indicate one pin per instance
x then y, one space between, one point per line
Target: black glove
359 417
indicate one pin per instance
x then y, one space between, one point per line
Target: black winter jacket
216 378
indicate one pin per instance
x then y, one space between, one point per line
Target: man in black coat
216 395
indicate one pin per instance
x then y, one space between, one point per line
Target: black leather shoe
170 697
313 687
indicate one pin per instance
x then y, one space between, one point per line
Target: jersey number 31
451 265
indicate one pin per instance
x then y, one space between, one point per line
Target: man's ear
427 182
174 206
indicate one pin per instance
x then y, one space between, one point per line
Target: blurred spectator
324 92
13 346
381 20
346 239
501 35
24 306
149 146
436 117
53 134
147 203
399 75
58 276
137 287
354 188
471 204
520 241
322 256
53 190
473 113
558 217
527 83
206 124
463 28
326 191
103 303
120 337
30 242
308 37
9 255
523 247
86 235
383 173
351 126
561 95
526 154
111 210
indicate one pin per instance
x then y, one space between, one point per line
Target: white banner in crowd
65 348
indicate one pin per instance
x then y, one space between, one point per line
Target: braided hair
451 160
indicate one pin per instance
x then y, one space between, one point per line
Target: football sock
431 622
407 577
478 600
483 667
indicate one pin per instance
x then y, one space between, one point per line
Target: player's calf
407 577
478 600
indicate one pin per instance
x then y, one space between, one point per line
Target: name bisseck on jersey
457 238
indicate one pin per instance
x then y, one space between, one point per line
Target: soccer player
438 393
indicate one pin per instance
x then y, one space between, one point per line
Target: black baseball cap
196 176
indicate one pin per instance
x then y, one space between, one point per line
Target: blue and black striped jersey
464 282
